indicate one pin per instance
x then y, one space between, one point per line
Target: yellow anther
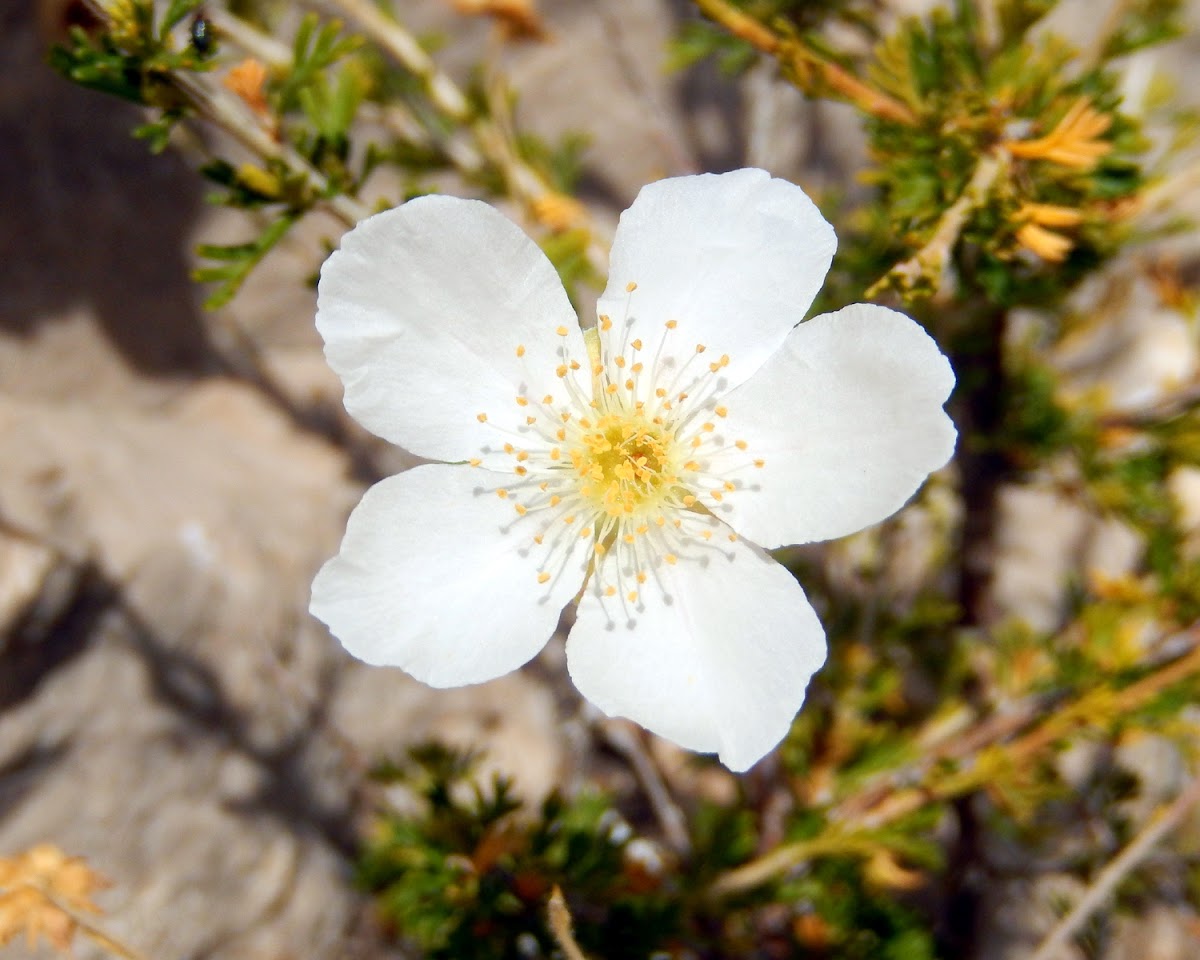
740 444
641 576
508 448
760 463
522 402
543 577
605 323
611 388
555 453
561 434
709 427
619 361
520 509
714 367
474 461
660 520
610 591
538 539
530 421
660 392
520 350
689 500
628 538
629 384
682 397
630 287
706 534
696 442
721 411
636 368
632 596
544 485
729 486
718 496
520 471
643 528
548 399
671 559
700 348
555 499
724 359
561 370
585 533
481 417
574 364
502 493
636 344
561 330
733 538
672 324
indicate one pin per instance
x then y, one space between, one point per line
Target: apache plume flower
628 466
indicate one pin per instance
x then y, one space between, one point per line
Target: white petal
439 576
715 654
735 258
422 310
848 420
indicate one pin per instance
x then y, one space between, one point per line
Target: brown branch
806 63
1105 884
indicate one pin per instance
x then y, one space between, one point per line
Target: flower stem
805 63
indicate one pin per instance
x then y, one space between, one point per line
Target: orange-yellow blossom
518 19
1074 142
1034 235
39 889
248 80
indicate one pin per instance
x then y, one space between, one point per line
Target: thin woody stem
558 918
1102 889
894 806
226 111
806 62
931 260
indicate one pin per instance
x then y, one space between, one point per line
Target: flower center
624 463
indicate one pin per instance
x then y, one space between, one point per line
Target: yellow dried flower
1033 235
518 19
558 212
883 871
40 890
1073 142
248 81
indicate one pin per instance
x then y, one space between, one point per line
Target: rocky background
170 480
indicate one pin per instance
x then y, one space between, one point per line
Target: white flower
634 463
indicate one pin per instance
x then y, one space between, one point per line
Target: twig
931 260
894 805
559 920
805 62
226 111
620 735
1122 865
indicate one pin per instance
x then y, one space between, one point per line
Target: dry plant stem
1103 887
931 260
805 61
784 858
94 933
894 805
393 117
225 110
622 737
559 920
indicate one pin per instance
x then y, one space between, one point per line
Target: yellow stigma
625 463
